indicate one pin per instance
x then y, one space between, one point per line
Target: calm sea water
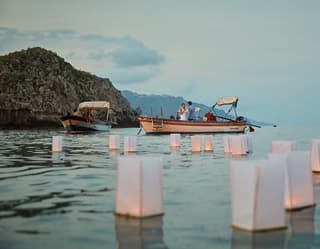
66 200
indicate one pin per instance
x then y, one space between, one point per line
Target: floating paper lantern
114 142
282 146
257 190
130 144
249 142
227 145
299 181
299 192
57 143
315 155
239 145
208 143
175 140
139 233
196 143
139 186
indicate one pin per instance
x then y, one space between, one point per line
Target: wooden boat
165 126
214 124
84 119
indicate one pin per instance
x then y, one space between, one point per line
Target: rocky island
37 87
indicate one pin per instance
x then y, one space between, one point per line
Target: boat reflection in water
299 235
139 233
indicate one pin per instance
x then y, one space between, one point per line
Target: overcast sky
265 52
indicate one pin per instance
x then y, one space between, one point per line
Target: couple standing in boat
187 113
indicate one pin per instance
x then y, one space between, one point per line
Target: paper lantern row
261 190
130 143
197 142
288 146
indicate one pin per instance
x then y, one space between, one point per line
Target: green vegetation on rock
37 87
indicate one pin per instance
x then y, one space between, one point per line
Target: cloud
125 57
124 52
98 55
136 56
136 75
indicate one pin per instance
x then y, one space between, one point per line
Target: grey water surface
66 199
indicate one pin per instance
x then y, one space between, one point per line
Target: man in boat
191 111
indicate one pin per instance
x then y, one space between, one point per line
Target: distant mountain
170 104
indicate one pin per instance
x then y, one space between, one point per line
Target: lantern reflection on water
57 143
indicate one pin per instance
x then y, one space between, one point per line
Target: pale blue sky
265 52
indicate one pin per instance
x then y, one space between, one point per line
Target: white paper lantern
315 155
175 140
114 142
139 233
257 190
299 184
299 191
226 144
249 142
130 143
196 143
282 146
208 143
239 145
57 143
139 186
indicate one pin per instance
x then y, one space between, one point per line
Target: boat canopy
227 101
94 105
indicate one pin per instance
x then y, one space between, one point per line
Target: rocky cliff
37 87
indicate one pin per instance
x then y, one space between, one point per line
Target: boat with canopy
210 123
87 117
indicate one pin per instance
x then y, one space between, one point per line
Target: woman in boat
183 112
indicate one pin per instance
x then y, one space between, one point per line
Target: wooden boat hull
79 124
166 126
